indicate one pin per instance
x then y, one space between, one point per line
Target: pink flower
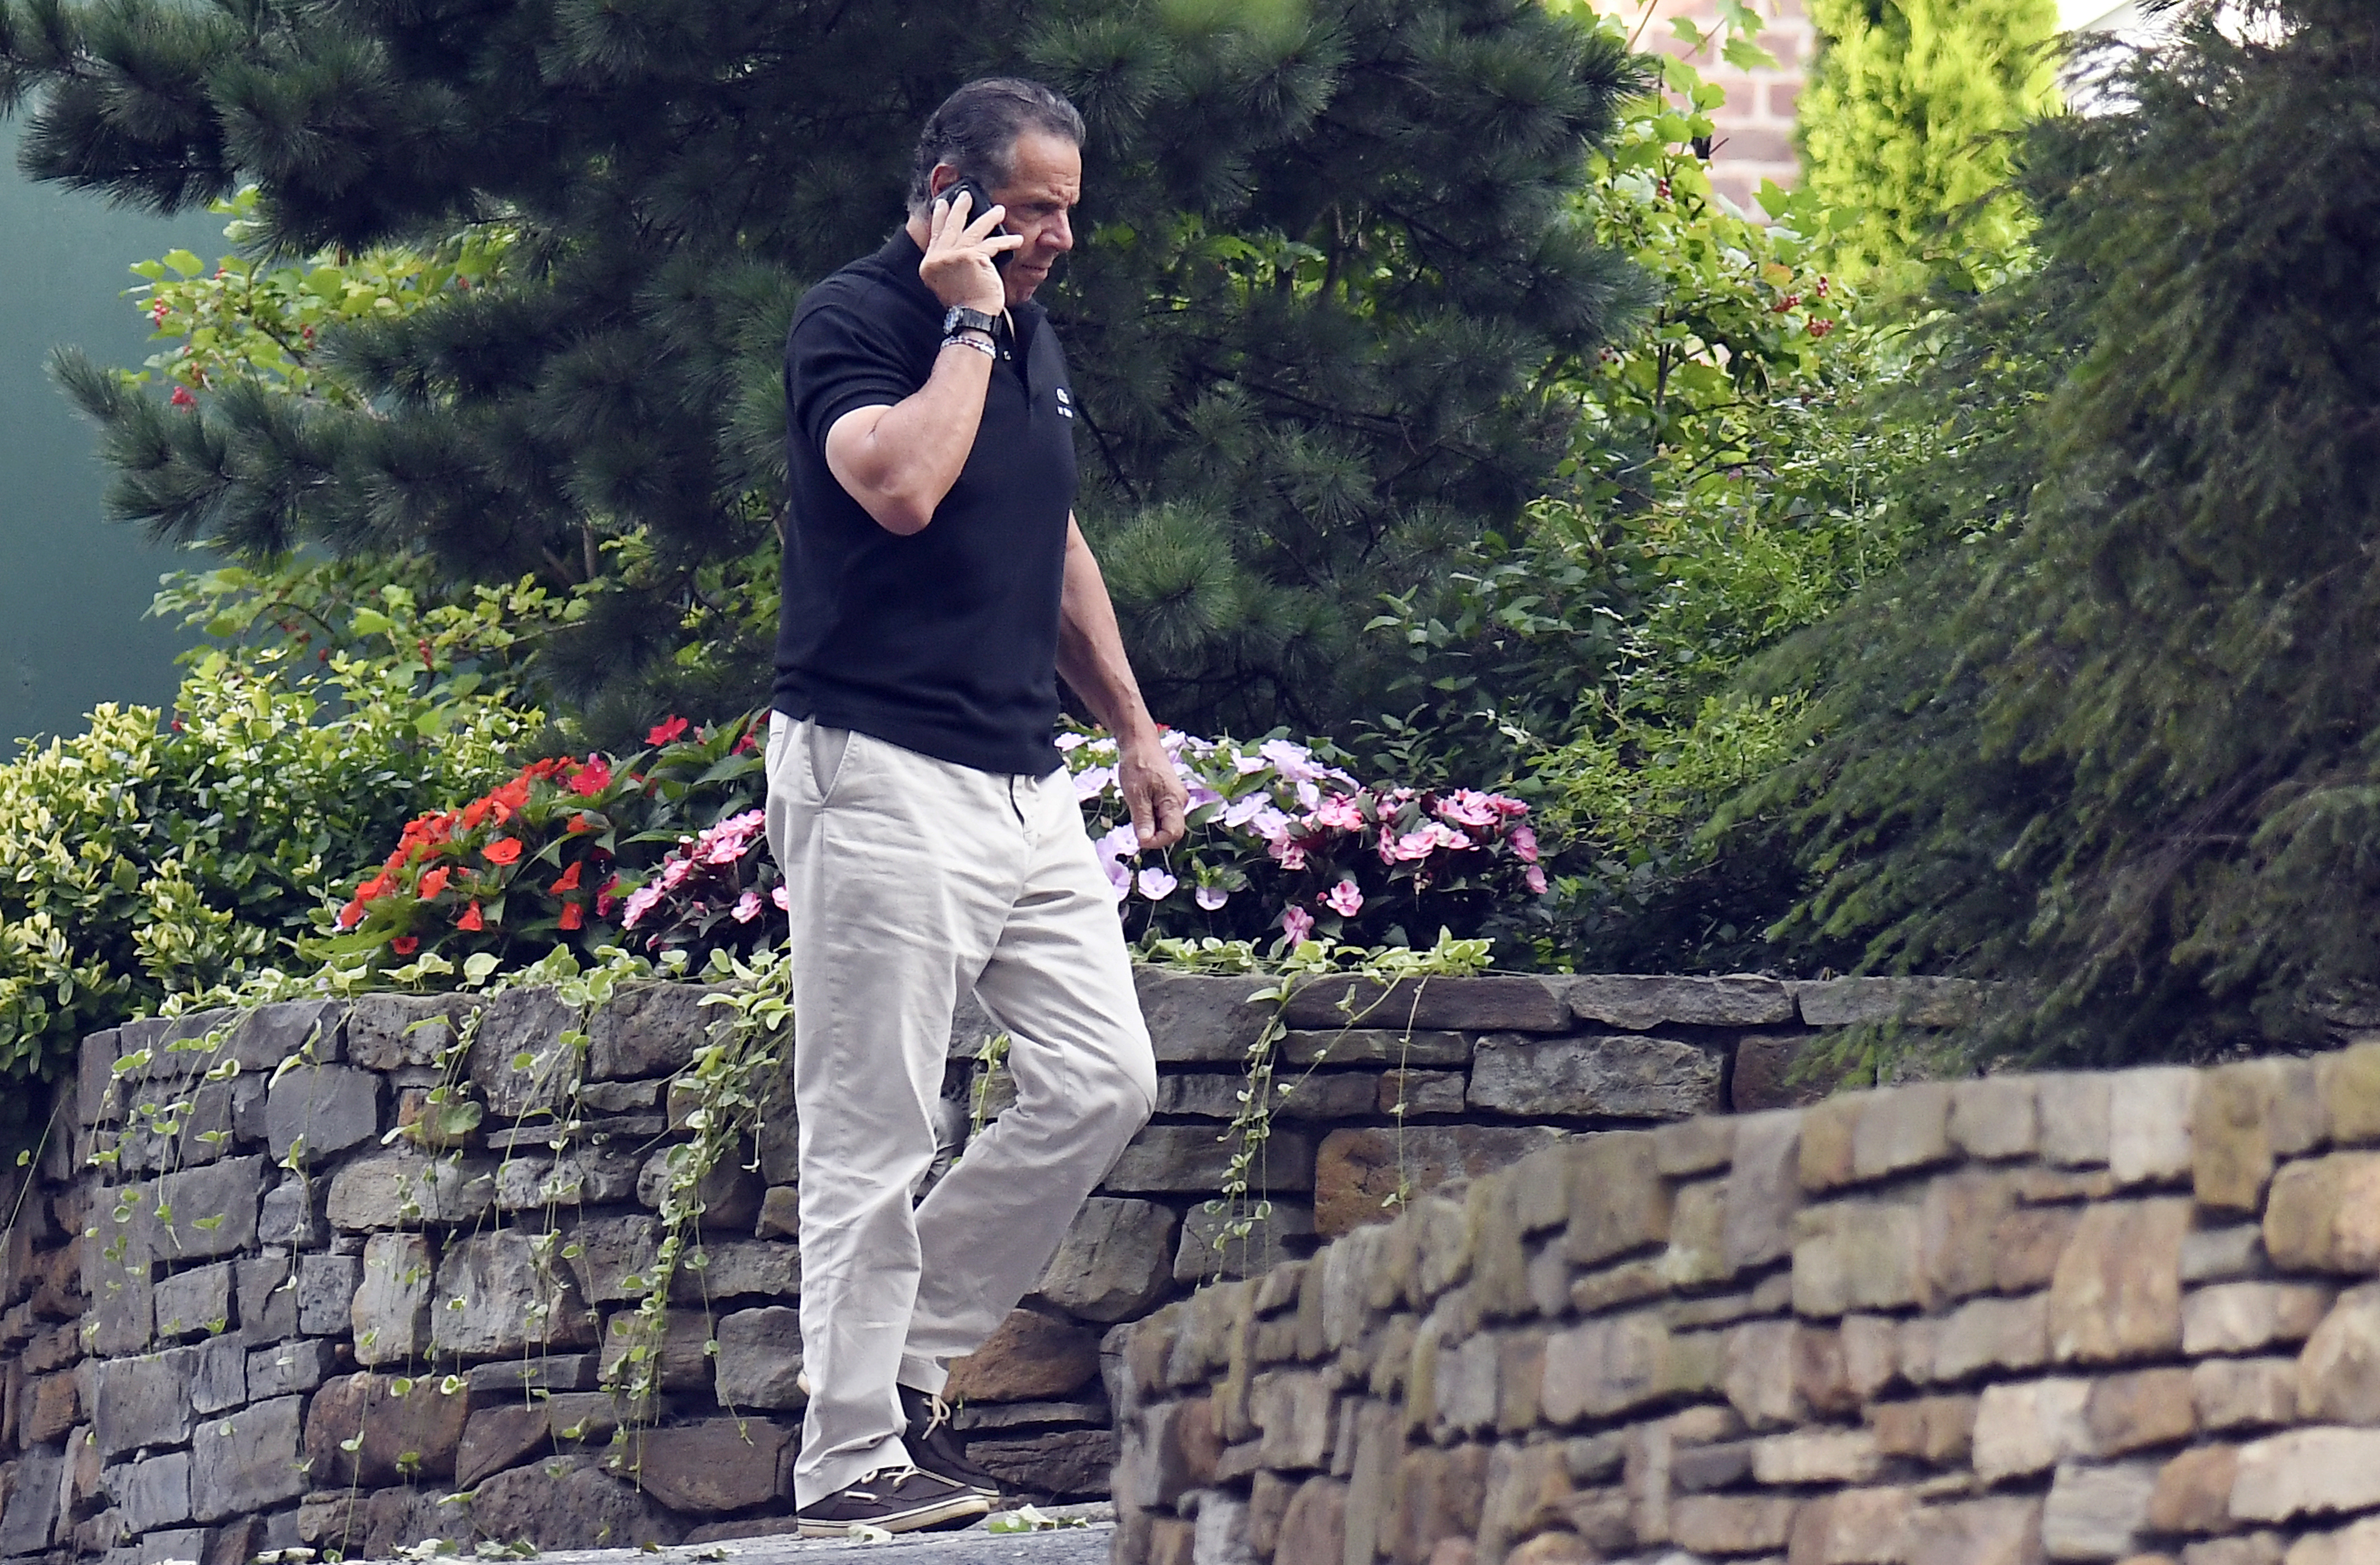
1211 897
1296 923
1345 899
1291 854
1536 878
728 841
1269 823
1155 884
1339 813
1468 807
748 907
1245 809
1113 849
1295 762
641 901
777 894
1091 782
1506 805
1525 843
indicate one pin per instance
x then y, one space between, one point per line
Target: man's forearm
1090 647
899 462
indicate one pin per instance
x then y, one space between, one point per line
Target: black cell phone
977 204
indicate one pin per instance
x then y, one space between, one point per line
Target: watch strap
959 318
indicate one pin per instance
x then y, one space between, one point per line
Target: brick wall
198 1327
1755 134
2117 1316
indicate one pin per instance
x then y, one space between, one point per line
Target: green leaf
1744 54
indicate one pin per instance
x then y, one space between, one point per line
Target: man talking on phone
936 587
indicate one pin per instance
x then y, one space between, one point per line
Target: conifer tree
2119 742
1325 282
1910 116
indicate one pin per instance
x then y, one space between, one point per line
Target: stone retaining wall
2123 1316
275 1325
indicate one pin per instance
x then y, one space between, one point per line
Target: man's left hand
1153 792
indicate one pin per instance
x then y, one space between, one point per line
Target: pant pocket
829 752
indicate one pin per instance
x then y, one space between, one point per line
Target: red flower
750 743
594 778
433 883
580 823
405 945
474 812
604 897
569 881
376 888
666 731
504 850
182 397
573 916
471 919
423 647
351 916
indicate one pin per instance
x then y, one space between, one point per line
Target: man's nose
1060 234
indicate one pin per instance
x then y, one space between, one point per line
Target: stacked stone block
2120 1317
273 1319
1381 1091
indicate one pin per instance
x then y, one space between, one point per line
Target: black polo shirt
944 642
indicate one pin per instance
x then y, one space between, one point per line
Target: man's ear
941 178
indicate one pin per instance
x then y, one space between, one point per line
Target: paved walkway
1064 1545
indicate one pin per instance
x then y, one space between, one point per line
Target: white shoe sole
951 1509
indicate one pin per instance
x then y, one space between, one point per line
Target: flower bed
1283 844
664 851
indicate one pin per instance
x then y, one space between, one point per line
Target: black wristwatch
960 319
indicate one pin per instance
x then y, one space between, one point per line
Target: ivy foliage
1908 123
2118 743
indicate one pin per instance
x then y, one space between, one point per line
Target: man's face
1045 183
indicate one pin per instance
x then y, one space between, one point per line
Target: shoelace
939 1413
894 1477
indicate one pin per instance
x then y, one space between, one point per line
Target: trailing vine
1244 1201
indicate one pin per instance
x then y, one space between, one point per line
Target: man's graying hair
975 131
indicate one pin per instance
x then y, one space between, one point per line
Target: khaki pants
911 880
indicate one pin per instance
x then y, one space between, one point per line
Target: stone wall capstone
268 1322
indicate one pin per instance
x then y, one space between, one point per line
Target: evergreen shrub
2117 741
1909 123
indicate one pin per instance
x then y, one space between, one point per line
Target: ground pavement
1086 1545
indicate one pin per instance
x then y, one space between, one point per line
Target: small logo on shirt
1065 403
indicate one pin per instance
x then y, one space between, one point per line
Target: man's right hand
958 256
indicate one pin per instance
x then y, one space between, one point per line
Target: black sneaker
935 1446
897 1500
